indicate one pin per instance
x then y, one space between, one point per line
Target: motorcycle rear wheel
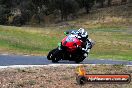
79 59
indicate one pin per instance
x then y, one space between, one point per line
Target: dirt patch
57 77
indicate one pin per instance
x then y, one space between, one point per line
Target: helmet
82 34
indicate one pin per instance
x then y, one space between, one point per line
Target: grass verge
58 77
113 43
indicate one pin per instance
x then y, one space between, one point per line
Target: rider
82 35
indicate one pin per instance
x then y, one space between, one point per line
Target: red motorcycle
70 49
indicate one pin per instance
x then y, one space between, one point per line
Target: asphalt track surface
9 60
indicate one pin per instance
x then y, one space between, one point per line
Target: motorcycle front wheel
57 55
50 54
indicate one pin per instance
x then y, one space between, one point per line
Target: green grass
28 41
109 27
111 43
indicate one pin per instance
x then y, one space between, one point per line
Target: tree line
20 12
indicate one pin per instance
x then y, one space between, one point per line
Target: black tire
50 54
56 56
81 80
78 60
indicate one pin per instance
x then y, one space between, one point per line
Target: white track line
51 65
4 54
